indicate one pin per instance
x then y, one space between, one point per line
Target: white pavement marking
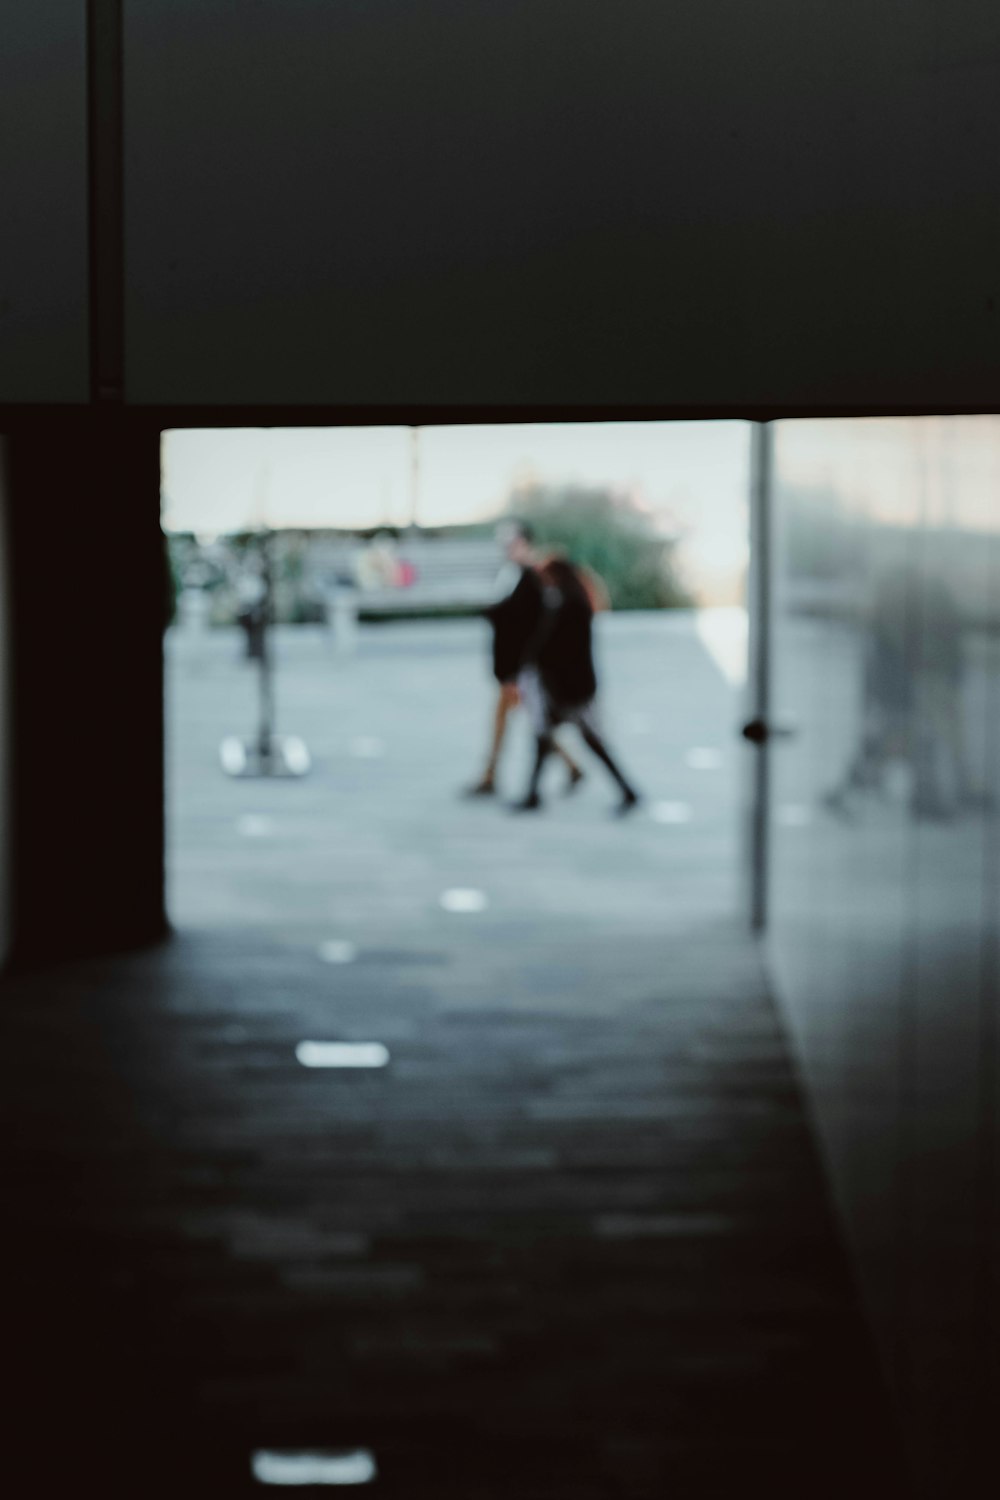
723 633
233 756
297 757
338 951
461 899
255 826
316 1466
367 747
671 812
702 758
794 815
342 1054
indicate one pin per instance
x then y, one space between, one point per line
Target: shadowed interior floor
552 1249
572 1241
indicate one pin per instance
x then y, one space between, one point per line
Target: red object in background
406 574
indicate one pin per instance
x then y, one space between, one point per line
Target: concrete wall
43 191
87 609
885 885
517 201
563 201
5 728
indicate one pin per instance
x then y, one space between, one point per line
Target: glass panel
887 655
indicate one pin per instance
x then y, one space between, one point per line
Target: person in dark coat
558 684
515 618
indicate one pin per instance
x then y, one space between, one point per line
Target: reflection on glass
911 741
887 655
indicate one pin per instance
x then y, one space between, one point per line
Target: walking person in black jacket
516 619
558 685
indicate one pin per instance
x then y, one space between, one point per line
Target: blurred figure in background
251 594
515 618
558 683
912 702
942 781
377 564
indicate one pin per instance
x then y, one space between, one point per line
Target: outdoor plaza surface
363 847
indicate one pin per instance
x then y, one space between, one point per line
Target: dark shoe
530 804
629 801
574 779
485 788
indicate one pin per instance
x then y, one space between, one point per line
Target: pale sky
897 469
692 476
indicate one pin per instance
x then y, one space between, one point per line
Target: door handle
759 731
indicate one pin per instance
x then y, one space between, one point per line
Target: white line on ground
233 756
338 951
723 632
703 758
255 826
794 815
318 1466
367 747
671 812
464 900
342 1054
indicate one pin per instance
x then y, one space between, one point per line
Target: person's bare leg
506 700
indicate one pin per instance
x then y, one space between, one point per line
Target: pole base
286 756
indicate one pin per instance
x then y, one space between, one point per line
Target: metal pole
414 476
759 604
269 754
265 738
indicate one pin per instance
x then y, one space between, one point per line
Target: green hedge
610 534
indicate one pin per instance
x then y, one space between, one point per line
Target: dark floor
573 1240
544 1253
